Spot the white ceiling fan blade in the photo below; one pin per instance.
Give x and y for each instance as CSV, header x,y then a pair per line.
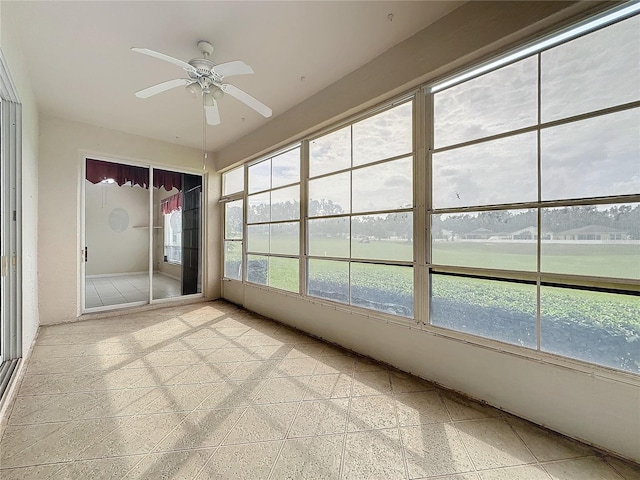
x,y
247,99
232,68
161,87
213,115
166,58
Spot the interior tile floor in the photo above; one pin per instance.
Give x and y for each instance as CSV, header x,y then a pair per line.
x,y
211,391
121,289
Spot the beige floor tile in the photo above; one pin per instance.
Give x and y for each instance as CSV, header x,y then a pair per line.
x,y
282,389
102,469
371,383
320,417
179,398
262,423
310,458
295,367
241,462
373,454
125,402
60,365
492,443
368,413
460,476
270,352
134,435
461,408
204,373
202,428
406,383
172,465
528,472
434,450
253,369
628,470
51,408
592,468
364,364
336,364
43,384
228,354
333,385
39,472
58,442
418,408
308,350
546,445
232,394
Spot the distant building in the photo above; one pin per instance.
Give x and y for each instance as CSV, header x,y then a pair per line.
x,y
478,234
593,232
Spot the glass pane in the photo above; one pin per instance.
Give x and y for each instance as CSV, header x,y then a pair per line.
x,y
385,135
329,279
233,220
330,152
386,288
285,204
285,168
598,70
504,239
330,195
260,176
385,186
285,238
257,269
602,240
258,238
233,181
490,173
382,237
233,260
597,327
504,311
283,273
497,102
117,236
259,208
329,237
599,155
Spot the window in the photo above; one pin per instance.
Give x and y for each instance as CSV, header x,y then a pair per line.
x,y
535,207
173,236
360,227
530,195
273,221
233,190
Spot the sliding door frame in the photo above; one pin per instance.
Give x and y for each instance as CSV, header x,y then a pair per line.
x,y
83,235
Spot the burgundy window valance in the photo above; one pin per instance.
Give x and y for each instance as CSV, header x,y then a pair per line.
x,y
171,204
99,170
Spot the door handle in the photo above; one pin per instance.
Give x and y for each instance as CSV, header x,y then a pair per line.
x,y
86,254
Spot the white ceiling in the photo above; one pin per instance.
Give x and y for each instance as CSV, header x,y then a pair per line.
x,y
81,67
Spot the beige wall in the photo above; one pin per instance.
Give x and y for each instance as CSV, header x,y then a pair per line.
x,y
575,399
110,251
62,145
29,261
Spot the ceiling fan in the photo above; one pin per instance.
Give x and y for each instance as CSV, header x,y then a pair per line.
x,y
205,77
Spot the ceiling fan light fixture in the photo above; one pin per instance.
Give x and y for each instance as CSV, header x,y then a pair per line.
x,y
192,89
217,93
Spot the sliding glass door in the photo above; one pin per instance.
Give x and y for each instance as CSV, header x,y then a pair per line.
x,y
116,251
143,235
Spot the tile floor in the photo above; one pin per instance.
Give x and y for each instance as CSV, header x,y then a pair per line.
x,y
117,290
210,391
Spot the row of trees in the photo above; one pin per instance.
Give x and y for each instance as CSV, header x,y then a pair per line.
x,y
625,218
